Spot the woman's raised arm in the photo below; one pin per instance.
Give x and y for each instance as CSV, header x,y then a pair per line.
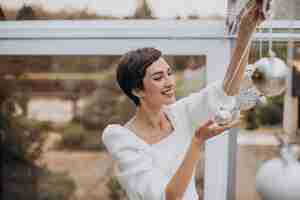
x,y
235,72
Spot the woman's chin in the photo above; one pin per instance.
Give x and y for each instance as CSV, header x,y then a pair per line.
x,y
171,100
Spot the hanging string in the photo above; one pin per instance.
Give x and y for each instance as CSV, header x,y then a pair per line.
x,y
290,42
240,61
260,44
271,53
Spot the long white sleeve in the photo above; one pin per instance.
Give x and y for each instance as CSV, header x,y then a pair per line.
x,y
138,174
201,106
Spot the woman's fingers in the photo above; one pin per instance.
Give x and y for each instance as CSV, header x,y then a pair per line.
x,y
203,132
210,129
216,130
208,123
233,124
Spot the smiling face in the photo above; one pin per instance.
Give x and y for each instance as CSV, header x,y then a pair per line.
x,y
159,85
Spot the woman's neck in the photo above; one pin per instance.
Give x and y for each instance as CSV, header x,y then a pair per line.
x,y
152,117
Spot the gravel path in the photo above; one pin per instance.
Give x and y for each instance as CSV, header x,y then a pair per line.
x,y
89,170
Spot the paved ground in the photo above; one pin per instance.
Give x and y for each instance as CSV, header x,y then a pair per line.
x,y
89,170
249,160
255,147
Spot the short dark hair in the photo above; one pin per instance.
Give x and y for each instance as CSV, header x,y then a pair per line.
x,y
132,69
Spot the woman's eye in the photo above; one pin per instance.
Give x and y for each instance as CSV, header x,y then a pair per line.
x,y
170,73
157,78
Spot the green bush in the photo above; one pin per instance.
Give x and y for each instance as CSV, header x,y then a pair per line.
x,y
24,140
42,126
106,105
251,120
73,135
269,114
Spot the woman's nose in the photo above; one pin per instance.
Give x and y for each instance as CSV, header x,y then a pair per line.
x,y
170,81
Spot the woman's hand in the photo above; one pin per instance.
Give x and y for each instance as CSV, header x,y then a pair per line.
x,y
210,129
252,18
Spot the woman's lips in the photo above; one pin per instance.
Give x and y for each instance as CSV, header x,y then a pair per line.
x,y
168,92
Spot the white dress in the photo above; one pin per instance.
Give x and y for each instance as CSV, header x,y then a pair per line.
x,y
144,169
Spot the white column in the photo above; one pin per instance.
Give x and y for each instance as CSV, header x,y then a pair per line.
x,y
220,166
290,114
220,151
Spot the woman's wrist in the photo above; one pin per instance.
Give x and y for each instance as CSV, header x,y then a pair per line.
x,y
198,141
196,147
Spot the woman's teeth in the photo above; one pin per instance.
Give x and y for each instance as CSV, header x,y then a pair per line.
x,y
169,92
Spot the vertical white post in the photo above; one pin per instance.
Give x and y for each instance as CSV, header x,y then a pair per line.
x,y
220,166
290,115
220,151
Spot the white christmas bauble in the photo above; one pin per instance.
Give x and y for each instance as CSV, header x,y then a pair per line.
x,y
279,178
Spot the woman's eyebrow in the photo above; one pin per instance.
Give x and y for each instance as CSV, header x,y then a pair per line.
x,y
156,73
161,72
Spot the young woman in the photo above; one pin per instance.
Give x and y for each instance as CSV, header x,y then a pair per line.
x,y
158,149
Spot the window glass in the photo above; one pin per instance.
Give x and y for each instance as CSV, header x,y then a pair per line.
x,y
53,111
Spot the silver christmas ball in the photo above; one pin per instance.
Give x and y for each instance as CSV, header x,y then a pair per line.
x,y
248,96
270,75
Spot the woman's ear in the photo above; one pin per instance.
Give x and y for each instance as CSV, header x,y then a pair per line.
x,y
138,92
